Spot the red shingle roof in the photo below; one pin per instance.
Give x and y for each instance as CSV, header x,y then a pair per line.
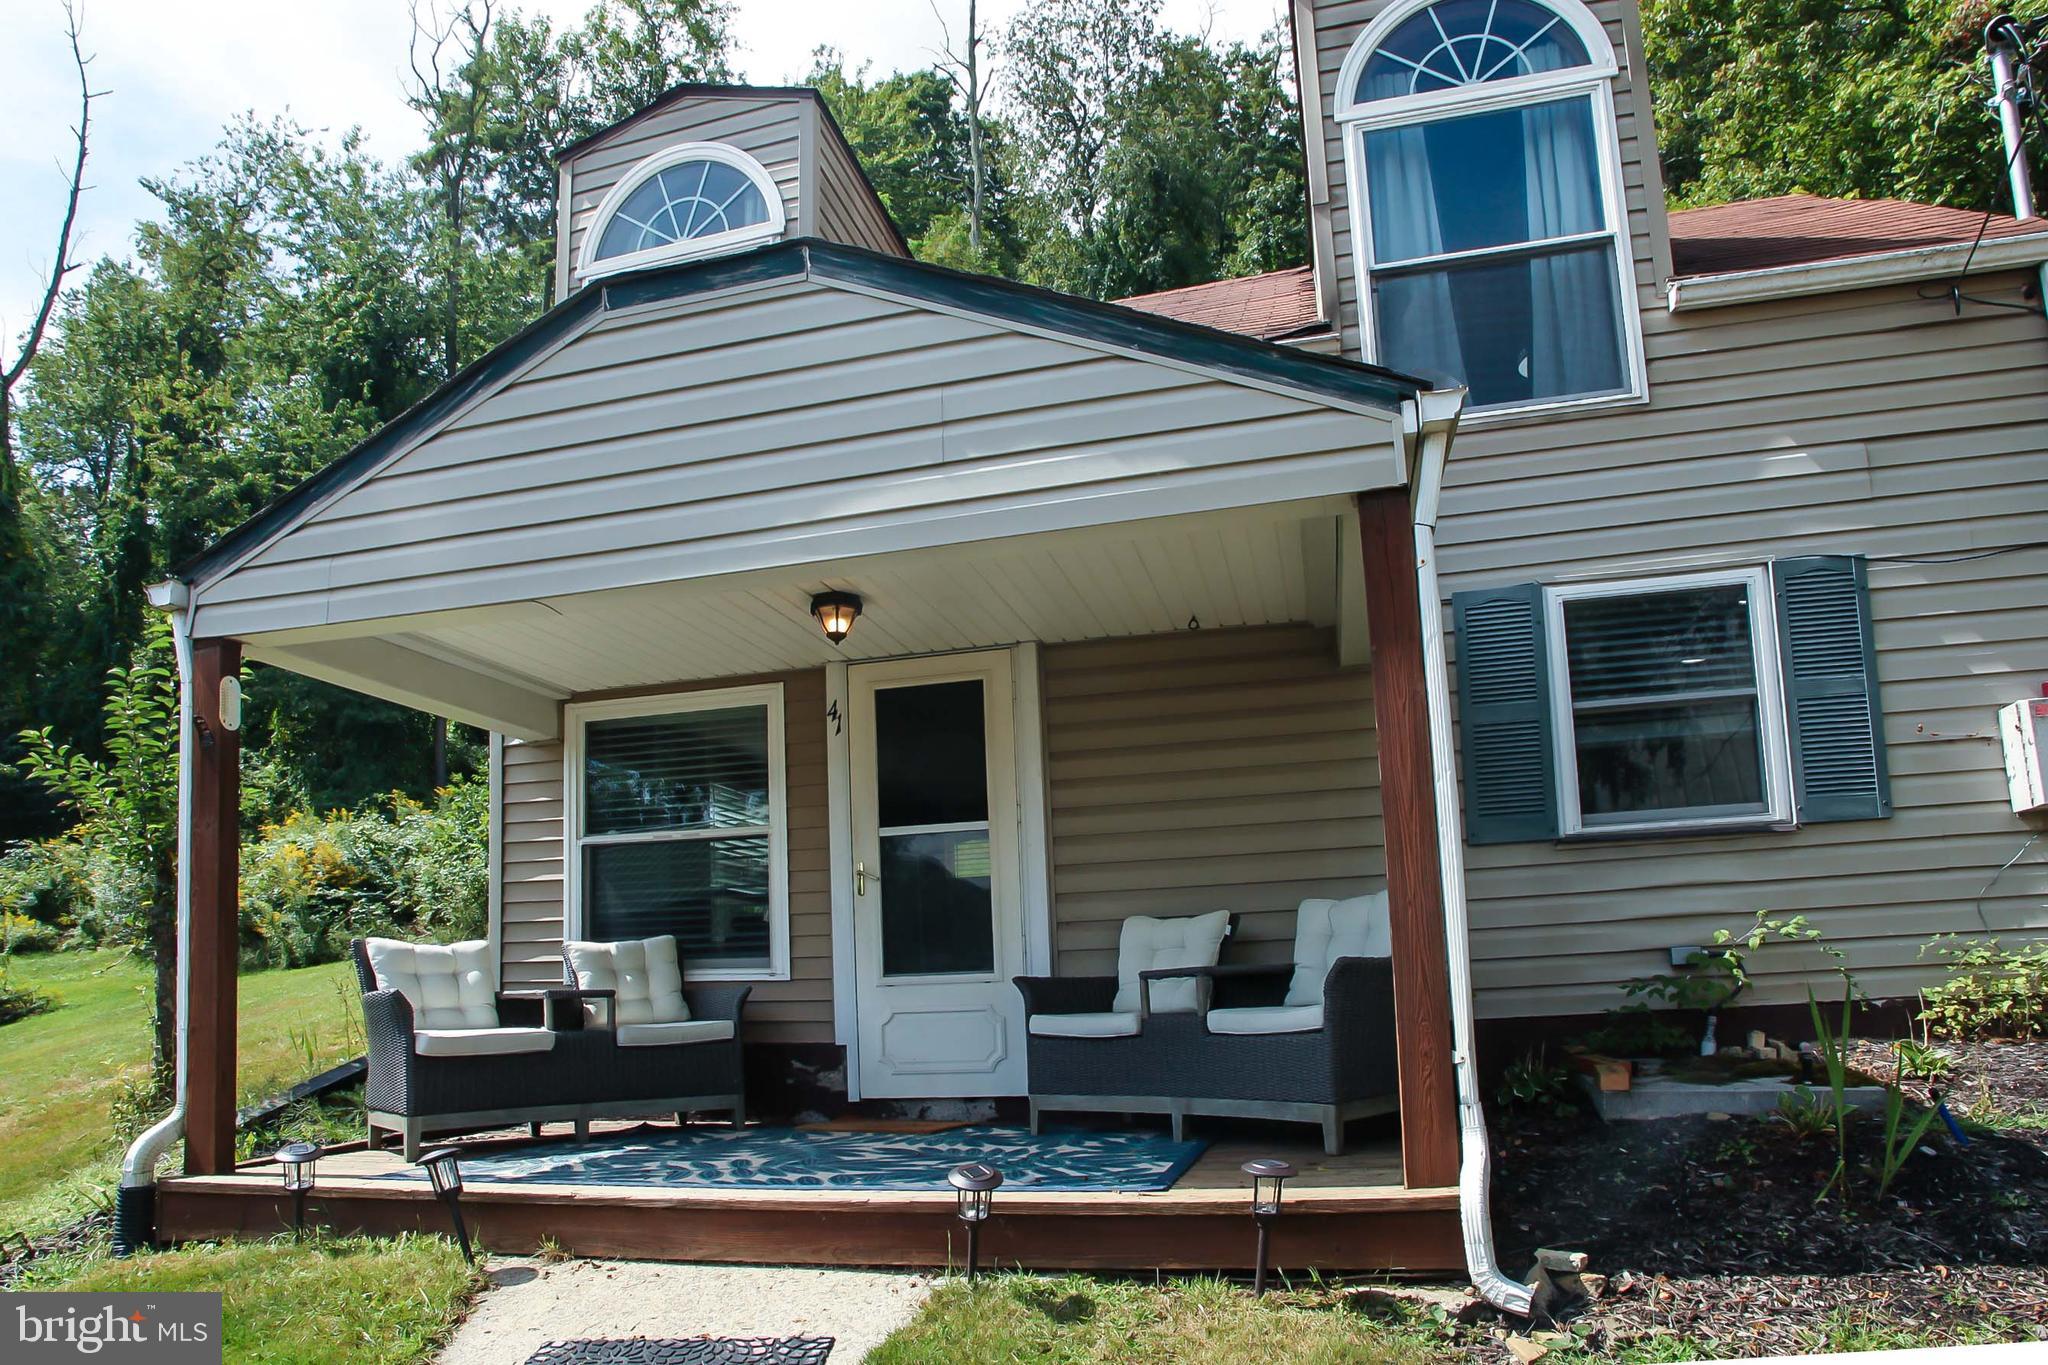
x,y
1799,229
1755,234
1281,303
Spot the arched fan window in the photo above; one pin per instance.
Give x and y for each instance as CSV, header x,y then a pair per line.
x,y
1490,227
694,200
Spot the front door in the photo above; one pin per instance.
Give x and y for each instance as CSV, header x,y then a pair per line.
x,y
938,907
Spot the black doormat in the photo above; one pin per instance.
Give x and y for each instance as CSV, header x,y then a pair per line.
x,y
702,1351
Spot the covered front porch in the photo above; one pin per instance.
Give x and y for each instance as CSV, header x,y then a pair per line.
x,y
617,1195
1146,626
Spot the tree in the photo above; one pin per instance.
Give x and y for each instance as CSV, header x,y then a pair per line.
x,y
23,577
127,807
962,66
1077,70
1884,99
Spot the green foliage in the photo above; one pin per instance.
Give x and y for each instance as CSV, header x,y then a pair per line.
x,y
1807,1114
18,1000
1535,1081
20,934
125,805
1634,1030
1991,991
1715,977
312,883
1763,97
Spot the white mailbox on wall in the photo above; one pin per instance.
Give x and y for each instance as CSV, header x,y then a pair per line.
x,y
2023,728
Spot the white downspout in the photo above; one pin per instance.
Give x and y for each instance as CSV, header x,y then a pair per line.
x,y
138,1167
1475,1167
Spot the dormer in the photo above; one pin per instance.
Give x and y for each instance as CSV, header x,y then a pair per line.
x,y
707,170
1490,207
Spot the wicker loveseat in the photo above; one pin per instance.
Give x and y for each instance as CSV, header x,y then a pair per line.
x,y
450,1052
1321,1053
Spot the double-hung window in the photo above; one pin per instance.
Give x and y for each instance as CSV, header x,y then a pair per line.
x,y
1666,701
1737,698
675,808
1490,228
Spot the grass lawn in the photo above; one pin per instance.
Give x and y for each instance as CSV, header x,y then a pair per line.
x,y
61,1072
1080,1320
350,1301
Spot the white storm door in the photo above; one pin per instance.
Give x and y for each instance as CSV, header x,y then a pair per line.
x,y
938,919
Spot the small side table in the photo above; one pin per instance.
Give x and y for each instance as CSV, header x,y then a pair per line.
x,y
551,998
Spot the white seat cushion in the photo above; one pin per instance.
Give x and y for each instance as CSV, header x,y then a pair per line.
x,y
684,1031
1327,930
645,973
1117,1024
449,987
480,1042
1266,1019
1145,944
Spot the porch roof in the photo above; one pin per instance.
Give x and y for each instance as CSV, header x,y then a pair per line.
x,y
754,425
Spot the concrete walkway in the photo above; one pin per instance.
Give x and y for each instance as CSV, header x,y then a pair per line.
x,y
532,1303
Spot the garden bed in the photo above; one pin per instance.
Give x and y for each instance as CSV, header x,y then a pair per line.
x,y
1713,1229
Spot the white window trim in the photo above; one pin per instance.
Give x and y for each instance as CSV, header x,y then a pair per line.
x,y
589,266
1770,690
1594,82
577,715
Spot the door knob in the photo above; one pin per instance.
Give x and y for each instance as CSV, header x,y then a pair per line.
x,y
860,879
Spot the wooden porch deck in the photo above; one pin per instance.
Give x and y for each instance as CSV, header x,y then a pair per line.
x,y
1342,1213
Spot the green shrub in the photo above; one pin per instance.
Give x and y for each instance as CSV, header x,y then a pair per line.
x,y
18,1001
1991,992
20,934
44,881
311,883
1535,1081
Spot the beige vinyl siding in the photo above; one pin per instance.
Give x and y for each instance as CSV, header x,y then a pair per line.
x,y
1874,423
765,129
846,208
798,1010
1206,770
698,438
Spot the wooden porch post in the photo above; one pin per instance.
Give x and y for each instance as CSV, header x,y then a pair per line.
x,y
212,945
1422,991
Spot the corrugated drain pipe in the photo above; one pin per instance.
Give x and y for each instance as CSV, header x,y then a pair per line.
x,y
135,1200
1476,1163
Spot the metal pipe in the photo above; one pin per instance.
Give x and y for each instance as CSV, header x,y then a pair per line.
x,y
1475,1166
135,1206
2003,41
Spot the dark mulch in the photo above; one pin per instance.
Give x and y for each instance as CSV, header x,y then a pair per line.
x,y
1712,1229
1738,1196
1985,1080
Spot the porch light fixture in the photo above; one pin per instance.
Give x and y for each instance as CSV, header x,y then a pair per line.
x,y
974,1190
1268,1175
295,1161
836,612
445,1170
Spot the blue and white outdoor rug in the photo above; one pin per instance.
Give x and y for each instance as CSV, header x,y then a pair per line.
x,y
787,1158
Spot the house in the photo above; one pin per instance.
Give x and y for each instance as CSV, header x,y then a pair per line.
x,y
1588,576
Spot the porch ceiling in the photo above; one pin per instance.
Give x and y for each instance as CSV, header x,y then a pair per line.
x,y
507,667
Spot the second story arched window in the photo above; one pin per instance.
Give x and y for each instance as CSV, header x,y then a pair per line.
x,y
1489,226
697,199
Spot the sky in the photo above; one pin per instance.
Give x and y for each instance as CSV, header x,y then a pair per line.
x,y
175,71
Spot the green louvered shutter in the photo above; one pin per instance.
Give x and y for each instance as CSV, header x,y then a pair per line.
x,y
1504,721
1836,727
